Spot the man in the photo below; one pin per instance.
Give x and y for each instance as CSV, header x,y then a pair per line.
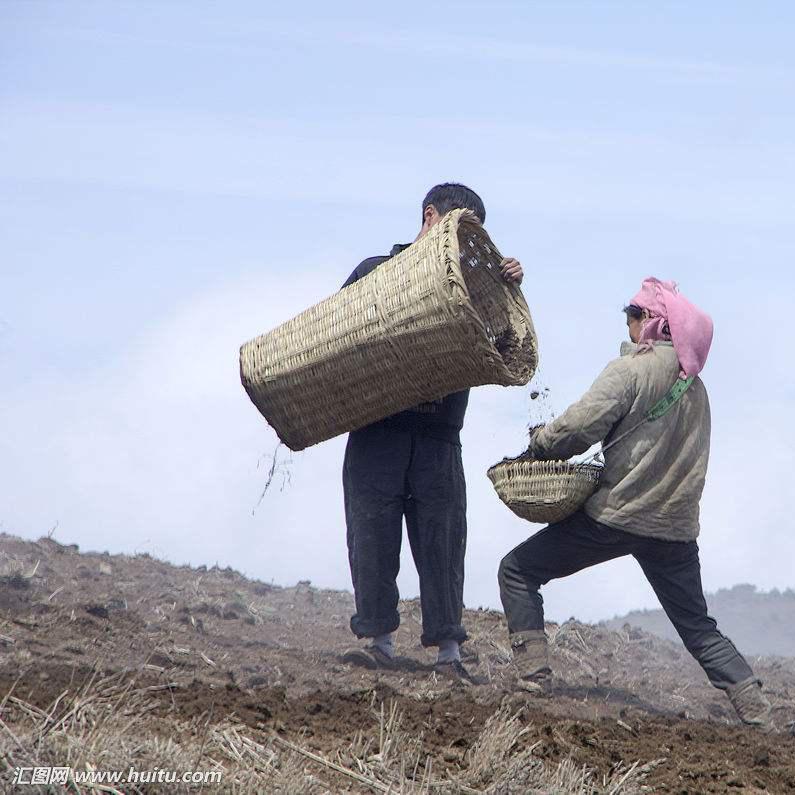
x,y
647,502
409,465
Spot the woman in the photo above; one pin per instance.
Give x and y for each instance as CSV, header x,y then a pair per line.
x,y
647,503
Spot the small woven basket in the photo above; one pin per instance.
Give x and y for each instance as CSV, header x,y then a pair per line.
x,y
544,491
435,319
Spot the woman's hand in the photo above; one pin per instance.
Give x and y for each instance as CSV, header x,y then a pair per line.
x,y
530,453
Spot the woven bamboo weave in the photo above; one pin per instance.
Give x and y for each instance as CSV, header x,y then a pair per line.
x,y
435,319
544,491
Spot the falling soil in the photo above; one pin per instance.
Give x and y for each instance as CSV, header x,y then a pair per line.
x,y
540,408
518,355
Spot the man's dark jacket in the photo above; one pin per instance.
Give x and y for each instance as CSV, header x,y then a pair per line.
x,y
440,419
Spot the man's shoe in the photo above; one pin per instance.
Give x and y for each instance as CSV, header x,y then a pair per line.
x,y
751,704
456,671
371,657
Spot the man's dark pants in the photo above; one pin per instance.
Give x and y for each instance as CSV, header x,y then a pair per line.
x,y
390,473
671,567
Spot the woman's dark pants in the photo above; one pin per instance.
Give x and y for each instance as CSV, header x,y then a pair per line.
x,y
671,567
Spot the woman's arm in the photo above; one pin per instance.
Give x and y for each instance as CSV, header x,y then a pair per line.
x,y
591,418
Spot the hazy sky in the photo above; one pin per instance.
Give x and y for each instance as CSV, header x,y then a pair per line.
x,y
176,178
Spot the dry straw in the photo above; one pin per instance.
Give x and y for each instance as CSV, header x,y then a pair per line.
x,y
435,319
544,491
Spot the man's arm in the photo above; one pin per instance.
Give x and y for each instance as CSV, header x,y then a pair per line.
x,y
363,268
591,418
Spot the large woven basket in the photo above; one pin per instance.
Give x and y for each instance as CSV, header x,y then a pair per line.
x,y
435,319
544,491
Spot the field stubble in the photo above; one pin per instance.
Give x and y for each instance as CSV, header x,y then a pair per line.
x,y
109,662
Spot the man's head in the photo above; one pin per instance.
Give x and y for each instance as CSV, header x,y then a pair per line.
x,y
445,197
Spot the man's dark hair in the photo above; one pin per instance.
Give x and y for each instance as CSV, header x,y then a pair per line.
x,y
635,312
454,196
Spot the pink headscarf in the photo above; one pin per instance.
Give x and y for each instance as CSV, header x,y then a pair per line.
x,y
674,318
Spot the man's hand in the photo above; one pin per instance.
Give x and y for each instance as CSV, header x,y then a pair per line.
x,y
511,270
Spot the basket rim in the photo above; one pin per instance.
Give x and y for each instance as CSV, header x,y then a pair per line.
x,y
454,221
556,464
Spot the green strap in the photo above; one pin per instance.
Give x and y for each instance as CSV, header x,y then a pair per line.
x,y
664,405
659,409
